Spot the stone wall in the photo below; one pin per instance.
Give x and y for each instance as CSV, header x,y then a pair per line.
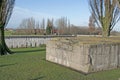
x,y
83,57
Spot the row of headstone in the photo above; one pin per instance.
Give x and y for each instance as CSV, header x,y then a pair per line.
x,y
18,41
15,42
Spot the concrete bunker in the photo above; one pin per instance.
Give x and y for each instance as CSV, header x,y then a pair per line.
x,y
85,57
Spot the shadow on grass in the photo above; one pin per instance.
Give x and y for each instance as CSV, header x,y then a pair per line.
x,y
37,50
38,78
5,65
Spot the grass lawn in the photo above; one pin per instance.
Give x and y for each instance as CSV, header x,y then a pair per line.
x,y
8,33
92,39
30,64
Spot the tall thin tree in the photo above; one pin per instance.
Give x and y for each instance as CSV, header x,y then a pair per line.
x,y
43,26
49,28
91,24
6,8
106,14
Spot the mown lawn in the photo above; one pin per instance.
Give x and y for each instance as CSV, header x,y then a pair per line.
x,y
30,64
9,33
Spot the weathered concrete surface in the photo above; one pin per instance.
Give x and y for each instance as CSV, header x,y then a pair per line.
x,y
83,57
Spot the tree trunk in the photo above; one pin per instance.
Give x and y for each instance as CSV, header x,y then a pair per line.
x,y
3,47
106,33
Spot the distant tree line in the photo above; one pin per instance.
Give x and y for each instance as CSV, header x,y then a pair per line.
x,y
30,27
61,26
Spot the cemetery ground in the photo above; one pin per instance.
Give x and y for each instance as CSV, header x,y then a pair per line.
x,y
30,64
8,33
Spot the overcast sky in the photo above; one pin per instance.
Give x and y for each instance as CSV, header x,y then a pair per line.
x,y
75,10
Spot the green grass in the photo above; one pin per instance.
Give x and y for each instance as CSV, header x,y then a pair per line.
x,y
90,40
8,33
30,64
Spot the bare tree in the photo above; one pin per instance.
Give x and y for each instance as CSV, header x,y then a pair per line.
x,y
23,28
38,30
6,8
62,25
91,24
43,26
28,26
69,27
31,24
106,14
